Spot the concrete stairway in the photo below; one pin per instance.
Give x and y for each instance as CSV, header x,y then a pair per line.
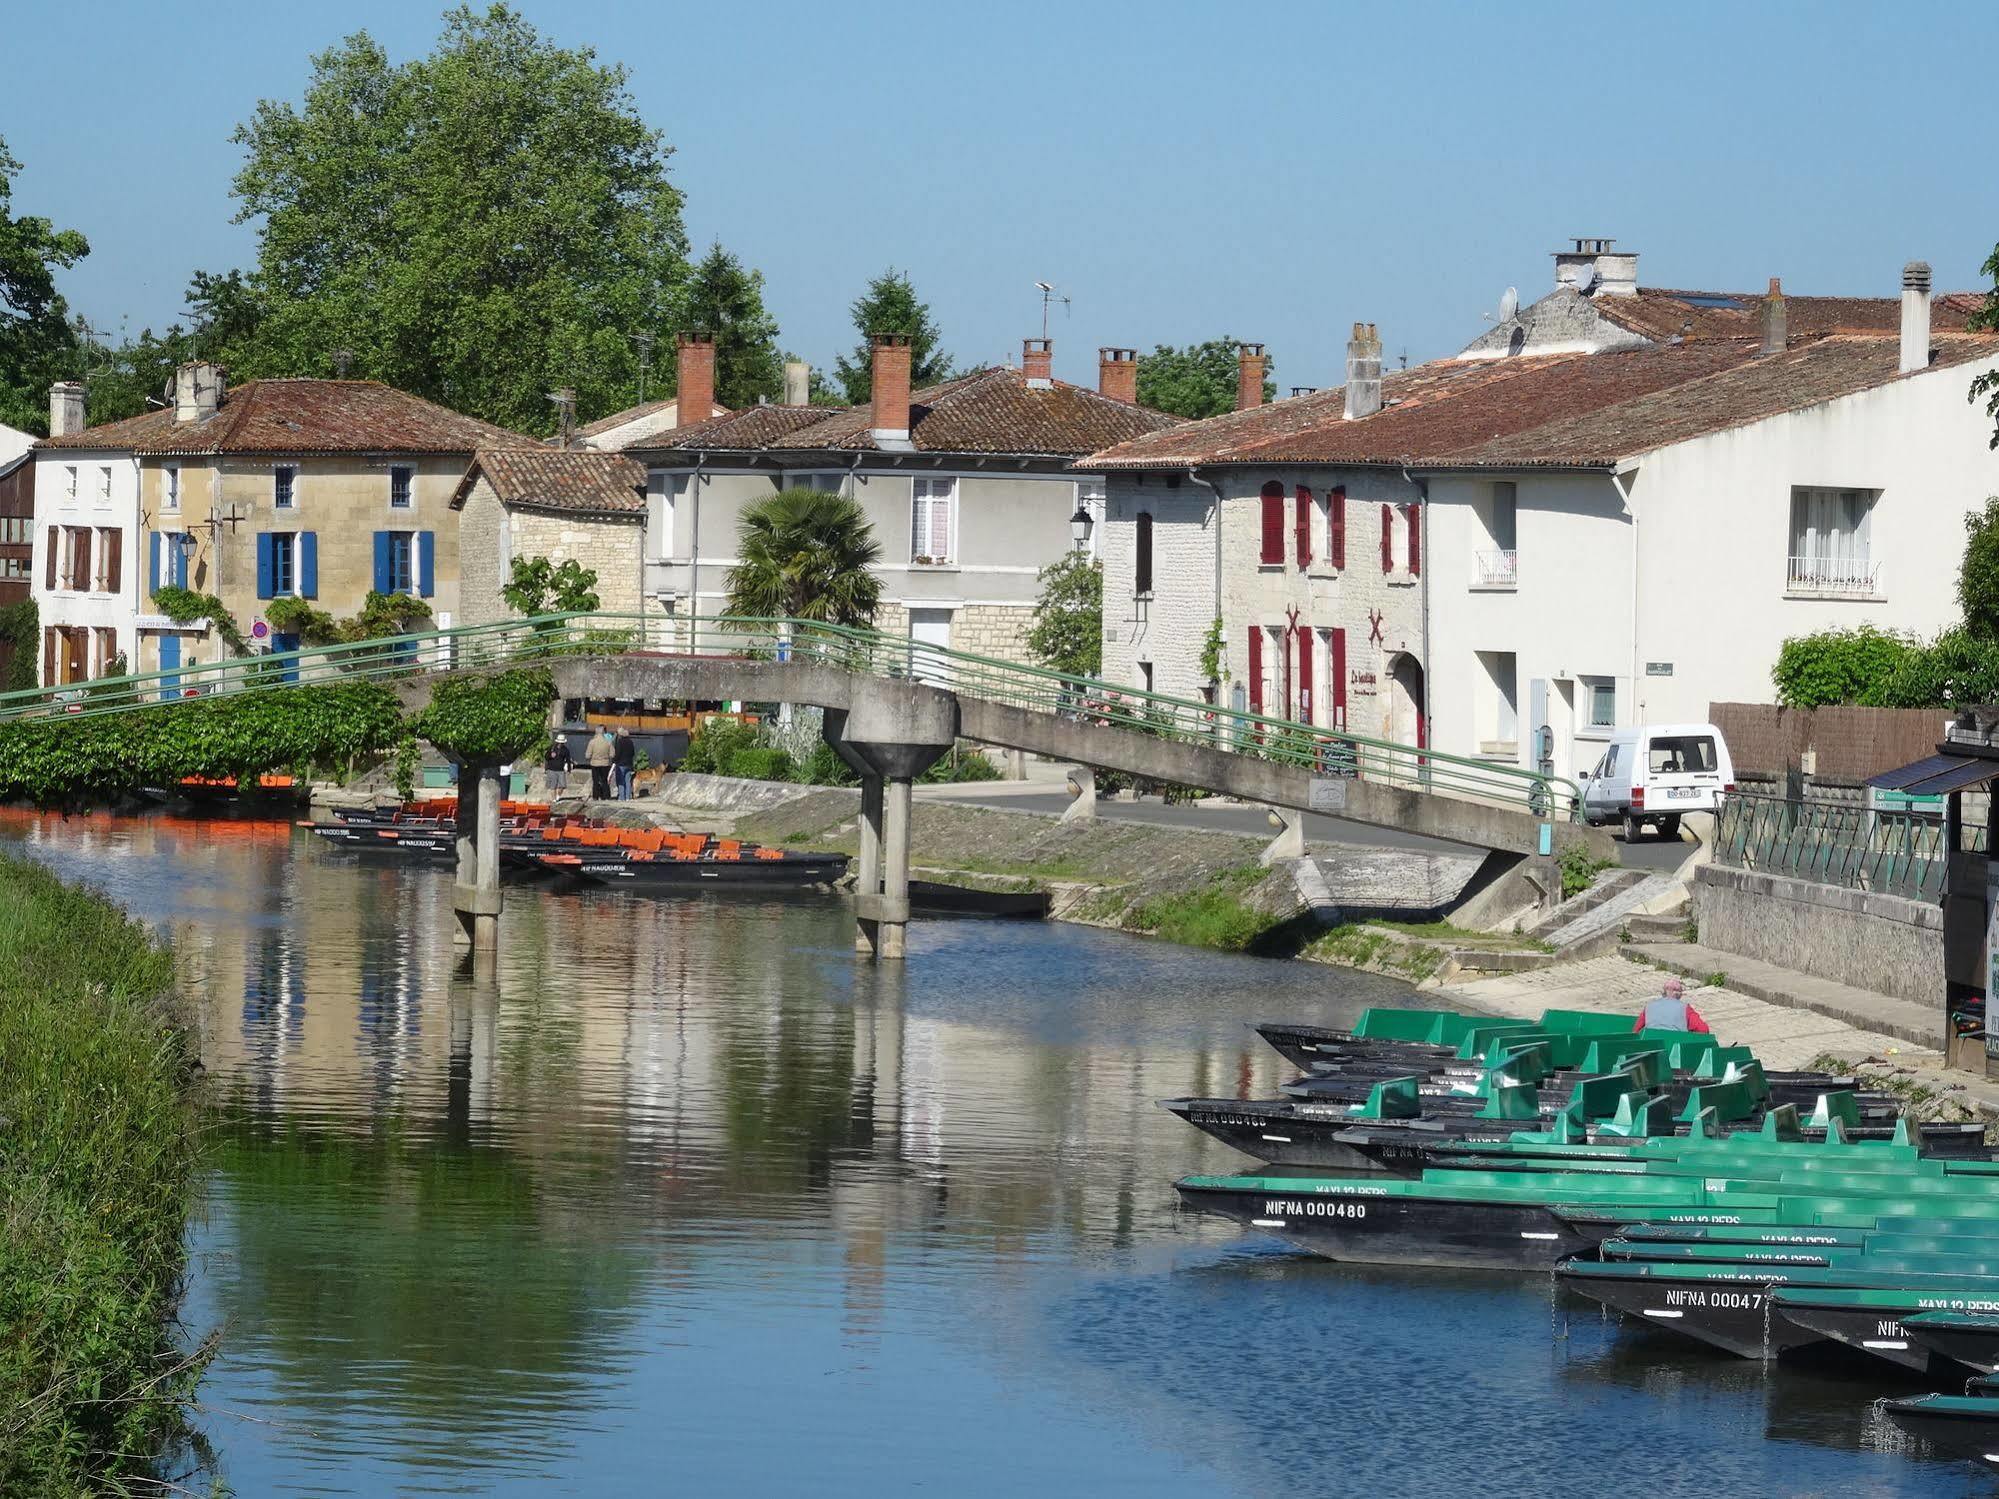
x,y
1595,921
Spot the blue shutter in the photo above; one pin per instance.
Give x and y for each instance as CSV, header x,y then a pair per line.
x,y
170,662
384,571
308,564
177,564
426,563
153,560
265,588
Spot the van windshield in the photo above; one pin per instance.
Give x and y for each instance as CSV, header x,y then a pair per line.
x,y
1682,754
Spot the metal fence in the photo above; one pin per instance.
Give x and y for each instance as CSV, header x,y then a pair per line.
x,y
1328,752
1838,843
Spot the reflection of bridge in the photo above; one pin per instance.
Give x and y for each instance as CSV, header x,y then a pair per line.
x,y
893,707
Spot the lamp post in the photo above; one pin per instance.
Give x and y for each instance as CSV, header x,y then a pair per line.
x,y
1080,526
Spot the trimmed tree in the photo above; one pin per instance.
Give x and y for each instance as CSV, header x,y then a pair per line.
x,y
726,300
890,305
806,554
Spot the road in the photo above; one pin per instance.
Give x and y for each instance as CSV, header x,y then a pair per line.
x,y
1649,853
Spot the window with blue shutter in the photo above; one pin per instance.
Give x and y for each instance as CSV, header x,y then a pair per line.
x,y
153,561
264,565
426,563
181,544
308,564
384,582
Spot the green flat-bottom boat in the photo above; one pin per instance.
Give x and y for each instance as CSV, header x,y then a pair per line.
x,y
1963,1426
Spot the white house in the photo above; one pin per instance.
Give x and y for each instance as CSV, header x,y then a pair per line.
x,y
1626,499
86,533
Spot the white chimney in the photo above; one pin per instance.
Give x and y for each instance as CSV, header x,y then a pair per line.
x,y
65,408
797,383
1597,270
1915,316
197,391
1363,396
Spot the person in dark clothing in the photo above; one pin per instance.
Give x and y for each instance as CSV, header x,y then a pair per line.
x,y
555,768
624,756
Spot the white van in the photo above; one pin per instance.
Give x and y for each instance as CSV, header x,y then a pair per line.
x,y
1655,772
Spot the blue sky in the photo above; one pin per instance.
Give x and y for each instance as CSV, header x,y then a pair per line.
x,y
1182,171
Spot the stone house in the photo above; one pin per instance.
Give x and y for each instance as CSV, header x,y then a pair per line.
x,y
320,489
565,504
1619,521
968,484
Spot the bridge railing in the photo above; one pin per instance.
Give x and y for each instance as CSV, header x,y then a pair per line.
x,y
1328,752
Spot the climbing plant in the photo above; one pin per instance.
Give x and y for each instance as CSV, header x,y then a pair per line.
x,y
184,606
498,717
1213,666
21,626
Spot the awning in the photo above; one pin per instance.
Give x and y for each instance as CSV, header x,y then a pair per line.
x,y
1938,775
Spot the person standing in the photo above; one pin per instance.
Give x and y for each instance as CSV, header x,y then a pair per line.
x,y
600,755
555,768
1670,1011
624,758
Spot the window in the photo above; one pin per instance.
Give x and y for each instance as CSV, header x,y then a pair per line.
x,y
16,530
110,560
284,485
402,562
1496,565
166,559
170,487
1497,702
401,476
1830,552
1682,754
405,562
1141,576
933,521
1303,525
288,563
104,484
284,563
75,573
1413,516
1388,538
1602,702
69,491
1273,524
827,483
105,648
15,567
664,492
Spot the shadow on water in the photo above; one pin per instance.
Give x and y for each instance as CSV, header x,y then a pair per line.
x,y
682,1197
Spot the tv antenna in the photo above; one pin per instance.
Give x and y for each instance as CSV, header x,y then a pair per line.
x,y
645,343
564,402
1048,295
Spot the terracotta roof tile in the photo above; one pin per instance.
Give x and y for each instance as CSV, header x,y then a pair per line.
x,y
302,416
575,481
1662,313
754,427
632,414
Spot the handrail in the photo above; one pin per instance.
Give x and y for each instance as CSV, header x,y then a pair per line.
x,y
1328,752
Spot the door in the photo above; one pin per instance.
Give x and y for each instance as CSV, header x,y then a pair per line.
x,y
1682,772
170,666
929,636
1607,791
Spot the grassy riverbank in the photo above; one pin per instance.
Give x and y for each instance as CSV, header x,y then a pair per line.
x,y
97,1157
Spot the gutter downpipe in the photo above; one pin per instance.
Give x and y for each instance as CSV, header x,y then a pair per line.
x,y
694,555
1422,487
1215,489
1624,494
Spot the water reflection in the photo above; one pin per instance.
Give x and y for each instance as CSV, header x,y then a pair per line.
x,y
683,1196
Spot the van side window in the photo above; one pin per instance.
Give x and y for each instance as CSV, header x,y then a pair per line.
x,y
1682,754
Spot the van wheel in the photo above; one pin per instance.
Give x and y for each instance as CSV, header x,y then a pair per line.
x,y
1632,828
1669,826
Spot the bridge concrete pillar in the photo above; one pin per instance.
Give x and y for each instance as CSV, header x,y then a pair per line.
x,y
1083,807
894,908
868,867
1290,840
475,896
891,737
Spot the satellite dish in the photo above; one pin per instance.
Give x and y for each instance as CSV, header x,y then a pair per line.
x,y
1509,304
1586,282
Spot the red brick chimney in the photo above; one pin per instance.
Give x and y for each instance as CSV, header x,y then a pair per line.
x,y
1037,362
889,388
1117,375
1249,377
695,391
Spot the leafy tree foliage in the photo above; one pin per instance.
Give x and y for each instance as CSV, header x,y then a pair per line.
x,y
727,301
1987,318
478,226
223,315
1839,666
1068,630
806,554
1978,573
498,717
539,587
890,305
1197,381
37,344
20,626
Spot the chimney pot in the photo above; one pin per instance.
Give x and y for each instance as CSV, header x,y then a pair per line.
x,y
1915,316
65,408
1363,392
1117,375
694,382
1250,367
797,383
1037,362
1776,320
197,391
888,392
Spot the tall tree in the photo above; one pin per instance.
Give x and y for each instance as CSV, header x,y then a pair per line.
x,y
1978,574
1987,320
479,226
727,301
223,315
37,343
805,554
1197,381
1068,631
890,305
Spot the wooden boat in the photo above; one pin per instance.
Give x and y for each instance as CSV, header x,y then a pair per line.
x,y
757,866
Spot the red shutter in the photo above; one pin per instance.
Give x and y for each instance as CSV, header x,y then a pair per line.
x,y
49,654
1337,667
55,546
1304,521
114,556
1415,514
1305,638
1388,538
1336,524
1273,522
1256,668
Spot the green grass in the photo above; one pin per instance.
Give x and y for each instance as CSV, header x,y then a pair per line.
x,y
97,1158
1462,936
1212,916
1377,951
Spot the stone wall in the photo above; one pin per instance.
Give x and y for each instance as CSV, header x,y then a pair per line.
x,y
997,630
482,557
611,546
1882,943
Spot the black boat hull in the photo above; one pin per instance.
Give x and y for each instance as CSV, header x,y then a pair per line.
x,y
695,874
1735,1317
1976,1347
1959,1434
1871,1330
1388,1230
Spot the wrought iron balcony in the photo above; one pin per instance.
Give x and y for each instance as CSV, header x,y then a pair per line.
x,y
1496,570
1835,577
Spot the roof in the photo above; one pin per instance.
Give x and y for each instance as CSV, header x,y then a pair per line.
x,y
573,481
1579,410
1662,313
1937,774
988,411
301,416
639,413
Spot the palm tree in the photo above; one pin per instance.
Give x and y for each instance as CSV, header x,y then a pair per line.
x,y
805,555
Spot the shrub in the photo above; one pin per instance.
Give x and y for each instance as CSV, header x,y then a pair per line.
x,y
1840,666
758,764
1951,671
823,767
714,742
960,766
1978,573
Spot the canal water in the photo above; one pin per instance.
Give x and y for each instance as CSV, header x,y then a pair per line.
x,y
688,1201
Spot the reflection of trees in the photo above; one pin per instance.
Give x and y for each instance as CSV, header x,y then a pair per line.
x,y
444,1281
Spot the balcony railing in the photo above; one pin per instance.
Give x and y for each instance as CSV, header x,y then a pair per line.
x,y
1853,577
1496,570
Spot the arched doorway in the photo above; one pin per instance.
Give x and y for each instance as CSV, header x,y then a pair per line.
x,y
1406,722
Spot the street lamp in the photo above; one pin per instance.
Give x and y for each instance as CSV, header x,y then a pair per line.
x,y
1080,525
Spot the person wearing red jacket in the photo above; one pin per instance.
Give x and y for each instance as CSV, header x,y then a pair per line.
x,y
1671,1012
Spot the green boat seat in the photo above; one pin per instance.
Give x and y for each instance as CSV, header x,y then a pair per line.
x,y
1750,1075
1392,1098
1728,1100
1840,1105
1511,1101
1781,1123
1907,1134
1585,1023
1421,1026
1648,1069
1719,1059
1597,1097
1522,1064
1565,1130
1478,1037
1705,1124
1639,1116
